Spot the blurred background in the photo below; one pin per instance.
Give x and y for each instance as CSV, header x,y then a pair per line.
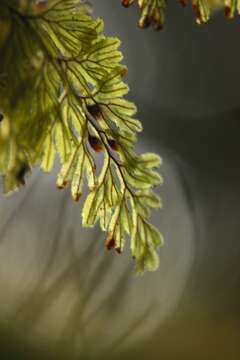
x,y
62,295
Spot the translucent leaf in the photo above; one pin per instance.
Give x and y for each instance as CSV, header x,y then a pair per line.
x,y
62,93
152,12
49,154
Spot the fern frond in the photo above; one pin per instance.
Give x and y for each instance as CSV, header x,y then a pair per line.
x,y
153,11
63,93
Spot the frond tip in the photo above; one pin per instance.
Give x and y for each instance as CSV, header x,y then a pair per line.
x,y
152,12
72,104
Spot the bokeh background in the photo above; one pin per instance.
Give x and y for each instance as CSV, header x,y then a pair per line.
x,y
62,296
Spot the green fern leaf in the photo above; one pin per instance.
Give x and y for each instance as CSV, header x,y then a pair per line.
x,y
72,104
153,11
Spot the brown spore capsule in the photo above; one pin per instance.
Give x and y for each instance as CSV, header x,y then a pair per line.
x,y
124,72
63,185
227,12
41,6
127,3
21,172
95,143
113,144
183,2
77,196
110,243
118,250
94,110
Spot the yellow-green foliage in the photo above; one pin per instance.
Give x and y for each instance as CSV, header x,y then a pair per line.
x,y
153,11
61,93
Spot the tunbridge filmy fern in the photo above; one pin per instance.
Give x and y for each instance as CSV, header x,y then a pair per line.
x,y
153,11
62,93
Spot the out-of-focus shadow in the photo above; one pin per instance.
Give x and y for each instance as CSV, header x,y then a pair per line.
x,y
61,286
